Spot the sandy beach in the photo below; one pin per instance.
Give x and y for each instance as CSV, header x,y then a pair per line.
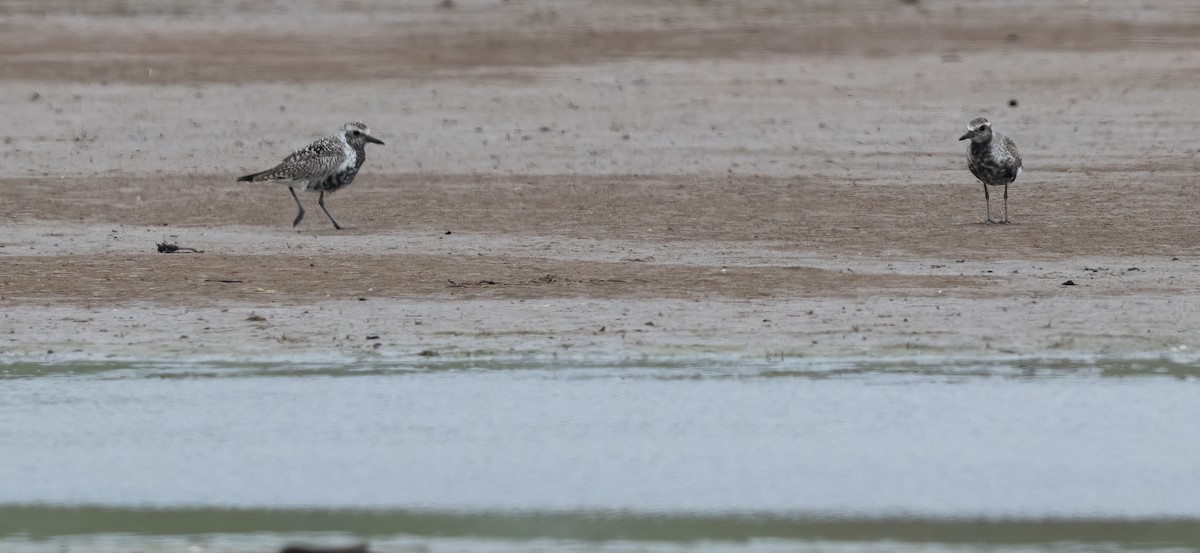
x,y
598,178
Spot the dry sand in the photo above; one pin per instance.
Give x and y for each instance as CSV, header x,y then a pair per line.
x,y
616,178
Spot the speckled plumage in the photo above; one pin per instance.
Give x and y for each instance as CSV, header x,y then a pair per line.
x,y
993,158
326,165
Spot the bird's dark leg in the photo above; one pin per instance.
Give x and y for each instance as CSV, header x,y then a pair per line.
x,y
1005,203
299,215
321,202
987,202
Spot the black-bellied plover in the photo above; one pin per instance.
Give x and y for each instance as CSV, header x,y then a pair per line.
x,y
993,159
326,165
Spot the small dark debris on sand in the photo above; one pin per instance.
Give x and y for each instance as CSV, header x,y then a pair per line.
x,y
164,247
454,284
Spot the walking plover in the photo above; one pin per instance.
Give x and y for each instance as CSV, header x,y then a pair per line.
x,y
993,159
323,166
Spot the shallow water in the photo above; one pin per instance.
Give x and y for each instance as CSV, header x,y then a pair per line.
x,y
703,454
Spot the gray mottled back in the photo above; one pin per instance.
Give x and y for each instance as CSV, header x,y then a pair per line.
x,y
314,161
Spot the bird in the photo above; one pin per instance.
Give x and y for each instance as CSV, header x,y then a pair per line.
x,y
326,165
993,158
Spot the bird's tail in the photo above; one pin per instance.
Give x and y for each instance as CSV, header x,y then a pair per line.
x,y
248,178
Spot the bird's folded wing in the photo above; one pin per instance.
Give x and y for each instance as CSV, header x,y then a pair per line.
x,y
315,159
1012,148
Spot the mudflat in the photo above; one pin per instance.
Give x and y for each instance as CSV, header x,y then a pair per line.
x,y
598,178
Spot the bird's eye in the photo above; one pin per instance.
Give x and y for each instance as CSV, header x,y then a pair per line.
x,y
356,132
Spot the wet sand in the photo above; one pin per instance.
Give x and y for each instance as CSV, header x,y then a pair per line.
x,y
625,178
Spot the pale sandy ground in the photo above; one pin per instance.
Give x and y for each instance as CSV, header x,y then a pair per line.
x,y
617,178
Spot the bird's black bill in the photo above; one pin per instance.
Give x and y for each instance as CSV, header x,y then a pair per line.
x,y
370,138
965,136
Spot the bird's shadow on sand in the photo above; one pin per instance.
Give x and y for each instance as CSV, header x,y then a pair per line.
x,y
345,230
988,224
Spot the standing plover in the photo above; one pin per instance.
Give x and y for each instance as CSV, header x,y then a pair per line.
x,y
323,166
993,159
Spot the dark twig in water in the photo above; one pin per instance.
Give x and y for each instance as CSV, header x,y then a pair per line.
x,y
360,548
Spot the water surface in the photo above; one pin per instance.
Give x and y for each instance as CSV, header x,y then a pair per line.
x,y
685,455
